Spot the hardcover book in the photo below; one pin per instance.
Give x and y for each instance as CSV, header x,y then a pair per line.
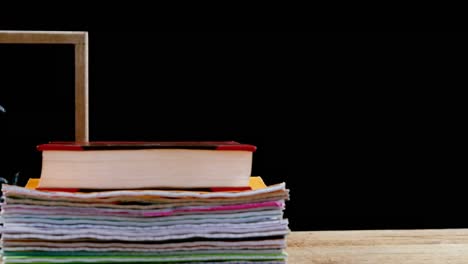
x,y
136,165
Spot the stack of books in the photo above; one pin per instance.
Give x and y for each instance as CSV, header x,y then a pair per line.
x,y
160,219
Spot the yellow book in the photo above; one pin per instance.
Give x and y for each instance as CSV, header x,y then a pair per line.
x,y
255,182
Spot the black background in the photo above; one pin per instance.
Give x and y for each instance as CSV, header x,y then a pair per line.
x,y
366,129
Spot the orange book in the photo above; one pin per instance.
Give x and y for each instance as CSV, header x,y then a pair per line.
x,y
255,182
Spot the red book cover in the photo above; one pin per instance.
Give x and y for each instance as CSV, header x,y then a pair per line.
x,y
122,145
211,189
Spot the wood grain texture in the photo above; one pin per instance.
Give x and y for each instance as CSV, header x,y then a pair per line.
x,y
42,37
80,42
81,91
383,246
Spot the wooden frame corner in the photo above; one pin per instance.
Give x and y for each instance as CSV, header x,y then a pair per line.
x,y
80,41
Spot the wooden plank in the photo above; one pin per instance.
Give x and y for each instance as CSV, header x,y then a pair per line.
x,y
81,92
42,37
383,246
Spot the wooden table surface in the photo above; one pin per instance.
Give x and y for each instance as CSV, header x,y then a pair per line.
x,y
381,247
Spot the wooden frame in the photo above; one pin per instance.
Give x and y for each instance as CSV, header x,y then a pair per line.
x,y
80,41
